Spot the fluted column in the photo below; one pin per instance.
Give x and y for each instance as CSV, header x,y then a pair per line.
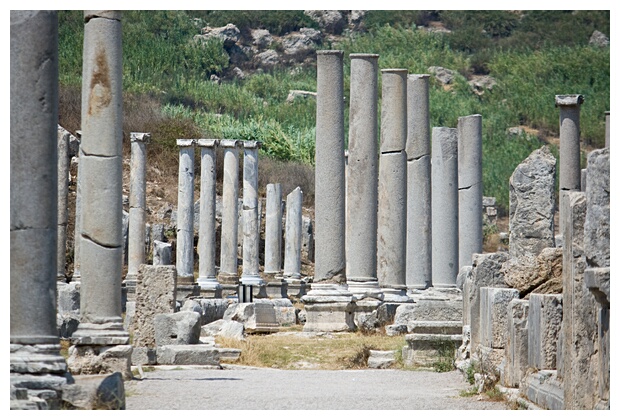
x,y
362,181
209,286
419,241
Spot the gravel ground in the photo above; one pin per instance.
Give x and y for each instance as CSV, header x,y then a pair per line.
x,y
238,388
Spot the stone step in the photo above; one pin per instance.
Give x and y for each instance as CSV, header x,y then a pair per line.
x,y
188,354
436,327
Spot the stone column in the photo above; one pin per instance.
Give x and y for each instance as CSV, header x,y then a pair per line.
x,y
570,153
607,128
63,191
251,230
76,277
35,348
207,279
230,215
273,243
185,216
329,178
101,181
136,248
362,182
445,224
418,268
292,247
392,213
469,187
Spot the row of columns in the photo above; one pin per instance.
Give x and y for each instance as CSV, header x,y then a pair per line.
x,y
392,242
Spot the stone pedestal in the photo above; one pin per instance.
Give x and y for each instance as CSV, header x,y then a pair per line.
x,y
329,307
209,286
392,213
445,223
228,242
362,182
137,211
418,148
100,335
35,360
329,170
470,187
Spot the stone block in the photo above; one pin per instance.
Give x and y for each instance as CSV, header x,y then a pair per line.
x,y
494,315
143,356
155,294
381,359
425,349
213,309
68,297
223,328
544,321
196,354
544,390
335,314
255,316
597,223
540,274
177,328
95,360
96,392
516,344
436,327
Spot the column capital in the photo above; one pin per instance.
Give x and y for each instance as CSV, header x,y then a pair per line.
x,y
207,142
418,76
364,56
252,144
569,100
395,71
107,14
140,137
230,143
185,142
330,52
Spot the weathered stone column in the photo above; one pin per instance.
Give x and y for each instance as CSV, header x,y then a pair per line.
x,y
230,214
35,348
185,216
251,230
292,247
329,178
445,224
273,243
101,214
607,129
136,247
570,152
207,279
76,277
362,181
63,191
392,213
419,241
470,187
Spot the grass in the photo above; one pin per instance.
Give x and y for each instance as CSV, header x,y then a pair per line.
x,y
330,352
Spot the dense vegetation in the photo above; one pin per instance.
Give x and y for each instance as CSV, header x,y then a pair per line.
x,y
531,55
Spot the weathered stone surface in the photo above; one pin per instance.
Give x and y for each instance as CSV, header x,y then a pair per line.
x,y
229,34
443,75
379,359
298,44
532,204
261,38
223,328
597,223
544,321
213,309
143,356
599,39
331,21
481,84
256,317
425,349
494,315
267,58
516,351
428,307
155,294
535,274
96,392
177,328
95,360
196,354
544,390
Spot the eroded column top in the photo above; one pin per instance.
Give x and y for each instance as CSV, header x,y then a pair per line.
x,y
230,143
140,137
185,142
252,144
569,100
363,55
418,76
107,14
330,52
207,142
396,71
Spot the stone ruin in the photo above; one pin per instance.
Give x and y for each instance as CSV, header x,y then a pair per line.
x,y
528,320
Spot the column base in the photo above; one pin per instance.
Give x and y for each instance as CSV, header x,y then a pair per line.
x,y
228,278
329,308
185,291
296,288
209,287
98,359
37,359
104,334
275,286
397,294
129,284
364,287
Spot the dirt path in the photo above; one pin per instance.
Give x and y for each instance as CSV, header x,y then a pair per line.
x,y
272,389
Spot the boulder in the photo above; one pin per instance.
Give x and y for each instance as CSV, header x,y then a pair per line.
x,y
599,39
298,44
445,76
540,274
261,38
267,58
229,34
223,328
331,21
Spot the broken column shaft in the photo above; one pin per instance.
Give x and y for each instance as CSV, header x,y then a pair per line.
x,y
230,213
251,228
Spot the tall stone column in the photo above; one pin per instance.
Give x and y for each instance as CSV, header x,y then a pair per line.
x,y
273,243
101,214
469,187
35,348
570,152
607,129
362,182
76,277
329,178
251,230
419,266
230,214
63,192
207,279
136,247
392,213
445,224
292,246
186,284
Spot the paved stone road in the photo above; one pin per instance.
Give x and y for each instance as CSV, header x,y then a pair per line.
x,y
272,389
